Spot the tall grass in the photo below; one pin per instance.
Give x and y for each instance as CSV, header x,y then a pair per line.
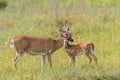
x,y
96,21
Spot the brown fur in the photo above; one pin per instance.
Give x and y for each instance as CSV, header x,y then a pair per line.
x,y
41,45
84,48
33,45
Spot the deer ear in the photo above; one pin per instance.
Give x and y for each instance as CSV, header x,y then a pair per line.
x,y
61,30
68,28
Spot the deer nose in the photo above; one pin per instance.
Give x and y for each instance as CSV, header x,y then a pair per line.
x,y
71,40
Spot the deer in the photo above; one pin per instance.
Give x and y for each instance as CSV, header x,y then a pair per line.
x,y
44,46
86,48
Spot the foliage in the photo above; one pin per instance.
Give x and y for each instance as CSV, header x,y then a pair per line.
x,y
3,3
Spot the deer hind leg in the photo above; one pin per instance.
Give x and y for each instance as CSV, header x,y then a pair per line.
x,y
17,58
50,60
93,56
88,56
15,61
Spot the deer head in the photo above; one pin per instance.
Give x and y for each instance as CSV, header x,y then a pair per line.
x,y
66,34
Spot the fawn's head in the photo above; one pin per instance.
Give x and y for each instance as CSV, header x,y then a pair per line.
x,y
66,34
65,43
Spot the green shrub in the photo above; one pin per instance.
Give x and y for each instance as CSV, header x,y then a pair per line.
x,y
3,4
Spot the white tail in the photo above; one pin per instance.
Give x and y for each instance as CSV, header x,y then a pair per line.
x,y
12,43
86,48
38,46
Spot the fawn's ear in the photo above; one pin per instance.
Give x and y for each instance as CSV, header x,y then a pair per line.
x,y
61,30
68,28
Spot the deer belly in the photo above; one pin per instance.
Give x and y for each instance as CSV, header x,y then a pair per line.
x,y
35,53
80,53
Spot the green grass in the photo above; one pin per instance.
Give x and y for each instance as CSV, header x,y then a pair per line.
x,y
96,21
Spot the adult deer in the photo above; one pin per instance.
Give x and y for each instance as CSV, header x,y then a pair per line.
x,y
86,48
38,46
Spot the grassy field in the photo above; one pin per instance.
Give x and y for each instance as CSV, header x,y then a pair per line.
x,y
97,21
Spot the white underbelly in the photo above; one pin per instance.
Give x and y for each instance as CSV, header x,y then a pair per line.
x,y
35,53
80,53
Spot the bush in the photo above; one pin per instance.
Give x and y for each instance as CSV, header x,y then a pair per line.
x,y
3,4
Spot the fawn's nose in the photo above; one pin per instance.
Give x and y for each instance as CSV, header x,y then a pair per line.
x,y
65,41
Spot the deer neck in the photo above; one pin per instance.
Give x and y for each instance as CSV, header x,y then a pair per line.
x,y
59,43
67,45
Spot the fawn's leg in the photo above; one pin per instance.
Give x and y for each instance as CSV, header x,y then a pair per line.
x,y
72,60
90,59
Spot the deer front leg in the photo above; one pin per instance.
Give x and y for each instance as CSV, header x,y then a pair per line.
x,y
43,60
72,60
50,60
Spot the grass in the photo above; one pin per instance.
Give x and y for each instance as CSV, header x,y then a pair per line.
x,y
96,21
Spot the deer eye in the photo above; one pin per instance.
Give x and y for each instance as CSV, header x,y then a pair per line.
x,y
66,35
